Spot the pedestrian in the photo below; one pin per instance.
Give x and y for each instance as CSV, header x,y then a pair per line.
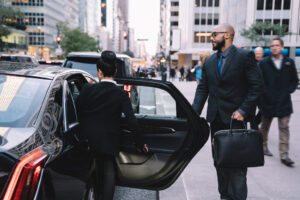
x,y
172,73
281,80
198,71
100,107
233,83
181,70
259,54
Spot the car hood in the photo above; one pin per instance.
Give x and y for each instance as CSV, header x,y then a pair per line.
x,y
11,137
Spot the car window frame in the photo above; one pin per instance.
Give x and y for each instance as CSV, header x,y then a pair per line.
x,y
65,95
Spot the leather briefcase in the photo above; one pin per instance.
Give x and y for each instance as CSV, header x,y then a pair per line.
x,y
237,148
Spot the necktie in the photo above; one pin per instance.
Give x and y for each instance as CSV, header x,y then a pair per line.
x,y
220,64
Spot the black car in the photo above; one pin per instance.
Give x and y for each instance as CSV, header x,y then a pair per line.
x,y
87,61
44,156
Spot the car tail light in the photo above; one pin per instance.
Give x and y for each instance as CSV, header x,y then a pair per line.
x,y
128,89
25,177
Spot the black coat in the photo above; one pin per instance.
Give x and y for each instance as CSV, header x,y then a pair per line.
x,y
279,84
238,87
100,107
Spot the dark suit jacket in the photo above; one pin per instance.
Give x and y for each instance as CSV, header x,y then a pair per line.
x,y
100,107
238,87
279,84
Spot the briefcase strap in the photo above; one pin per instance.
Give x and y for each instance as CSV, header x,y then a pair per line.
x,y
230,131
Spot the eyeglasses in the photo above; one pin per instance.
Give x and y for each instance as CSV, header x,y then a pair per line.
x,y
214,34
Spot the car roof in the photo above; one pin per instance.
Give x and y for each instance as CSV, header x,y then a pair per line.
x,y
19,55
36,71
92,55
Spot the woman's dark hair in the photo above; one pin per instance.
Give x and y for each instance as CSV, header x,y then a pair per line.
x,y
107,63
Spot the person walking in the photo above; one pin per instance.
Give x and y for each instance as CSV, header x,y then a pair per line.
x,y
198,71
232,81
172,73
100,107
259,54
281,80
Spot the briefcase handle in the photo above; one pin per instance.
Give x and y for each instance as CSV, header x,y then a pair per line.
x,y
230,131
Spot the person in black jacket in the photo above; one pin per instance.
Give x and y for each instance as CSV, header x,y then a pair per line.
x,y
281,80
100,107
232,81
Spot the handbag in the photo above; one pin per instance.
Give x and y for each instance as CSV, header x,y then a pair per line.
x,y
238,148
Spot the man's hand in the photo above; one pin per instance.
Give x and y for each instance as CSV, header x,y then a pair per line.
x,y
237,116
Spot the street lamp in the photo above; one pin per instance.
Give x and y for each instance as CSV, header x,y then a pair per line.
x,y
58,50
58,40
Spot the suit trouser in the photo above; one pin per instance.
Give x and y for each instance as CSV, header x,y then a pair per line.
x,y
284,133
106,174
232,182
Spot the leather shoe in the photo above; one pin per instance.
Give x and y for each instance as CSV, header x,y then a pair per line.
x,y
267,152
287,161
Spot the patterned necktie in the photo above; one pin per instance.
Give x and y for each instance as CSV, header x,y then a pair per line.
x,y
220,64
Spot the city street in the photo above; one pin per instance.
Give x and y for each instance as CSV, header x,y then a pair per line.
x,y
273,181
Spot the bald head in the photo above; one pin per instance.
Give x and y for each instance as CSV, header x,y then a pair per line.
x,y
259,53
225,27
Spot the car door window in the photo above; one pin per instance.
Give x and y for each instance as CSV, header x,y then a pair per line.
x,y
155,102
74,89
71,110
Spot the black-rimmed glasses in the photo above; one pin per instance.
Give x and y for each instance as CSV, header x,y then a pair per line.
x,y
214,34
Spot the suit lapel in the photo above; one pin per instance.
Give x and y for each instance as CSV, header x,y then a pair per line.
x,y
229,58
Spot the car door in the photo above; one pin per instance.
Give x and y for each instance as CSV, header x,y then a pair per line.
x,y
169,126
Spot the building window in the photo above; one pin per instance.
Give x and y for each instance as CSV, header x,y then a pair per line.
x,y
269,4
287,4
216,3
210,3
209,21
196,37
197,3
203,3
268,31
286,22
174,3
202,37
276,21
174,23
216,19
260,4
197,22
175,13
103,12
203,21
277,4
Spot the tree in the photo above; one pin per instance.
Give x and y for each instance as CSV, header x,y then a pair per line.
x,y
75,40
257,31
129,53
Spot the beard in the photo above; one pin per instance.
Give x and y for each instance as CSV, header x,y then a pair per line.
x,y
219,45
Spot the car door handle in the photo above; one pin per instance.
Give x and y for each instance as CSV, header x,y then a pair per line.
x,y
157,130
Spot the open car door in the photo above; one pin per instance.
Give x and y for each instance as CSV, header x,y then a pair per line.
x,y
169,126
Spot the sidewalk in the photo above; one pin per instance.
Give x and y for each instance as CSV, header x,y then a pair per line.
x,y
274,181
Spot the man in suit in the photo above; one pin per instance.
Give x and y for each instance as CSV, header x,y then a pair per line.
x,y
232,82
100,107
281,80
